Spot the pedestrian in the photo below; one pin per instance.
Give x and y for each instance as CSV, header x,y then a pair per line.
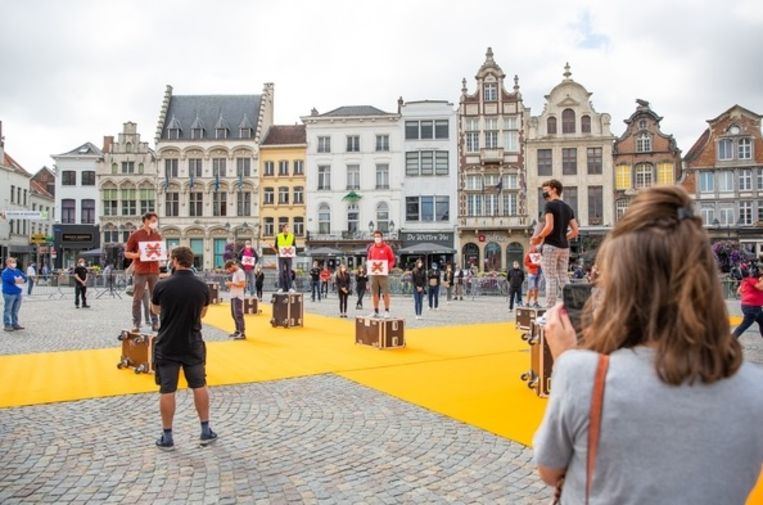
x,y
361,282
325,278
237,286
31,275
532,263
182,301
459,291
146,273
286,247
315,281
516,277
560,227
419,280
656,350
343,288
249,259
13,279
259,281
380,261
448,279
81,275
433,277
751,293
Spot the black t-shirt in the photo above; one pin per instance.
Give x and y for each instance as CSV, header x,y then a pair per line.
x,y
563,214
182,297
80,272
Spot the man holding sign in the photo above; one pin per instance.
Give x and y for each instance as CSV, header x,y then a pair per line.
x,y
381,260
249,259
146,249
286,248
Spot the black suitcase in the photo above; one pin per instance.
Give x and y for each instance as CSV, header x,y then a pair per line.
x,y
541,362
137,351
250,306
379,333
288,310
526,316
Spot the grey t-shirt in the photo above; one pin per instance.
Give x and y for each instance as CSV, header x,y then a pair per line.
x,y
700,444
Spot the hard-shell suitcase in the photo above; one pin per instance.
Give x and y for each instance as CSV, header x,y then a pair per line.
x,y
541,362
251,306
288,310
137,351
214,292
526,316
379,333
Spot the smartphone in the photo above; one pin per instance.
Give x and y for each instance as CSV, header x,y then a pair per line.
x,y
574,297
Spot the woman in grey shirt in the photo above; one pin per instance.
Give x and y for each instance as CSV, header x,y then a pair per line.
x,y
682,412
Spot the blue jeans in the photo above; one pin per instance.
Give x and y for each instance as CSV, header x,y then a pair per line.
x,y
249,280
418,301
30,285
434,296
752,314
284,273
11,310
315,289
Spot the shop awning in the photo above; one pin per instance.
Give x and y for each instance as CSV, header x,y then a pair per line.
x,y
426,248
324,252
351,197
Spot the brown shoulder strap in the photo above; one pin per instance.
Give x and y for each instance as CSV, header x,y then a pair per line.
x,y
594,420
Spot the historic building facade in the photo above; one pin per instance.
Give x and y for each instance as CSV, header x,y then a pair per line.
x,y
643,156
354,175
571,142
724,171
126,180
207,152
282,183
492,222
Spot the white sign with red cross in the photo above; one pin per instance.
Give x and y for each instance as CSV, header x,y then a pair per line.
x,y
378,267
153,250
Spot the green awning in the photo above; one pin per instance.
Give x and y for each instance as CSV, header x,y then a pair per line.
x,y
352,197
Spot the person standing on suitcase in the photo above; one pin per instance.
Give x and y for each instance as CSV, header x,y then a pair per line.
x,y
286,247
237,284
182,301
381,260
146,272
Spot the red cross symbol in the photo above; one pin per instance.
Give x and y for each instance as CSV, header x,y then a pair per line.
x,y
154,250
377,267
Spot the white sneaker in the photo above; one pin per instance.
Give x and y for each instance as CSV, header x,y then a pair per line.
x,y
386,314
373,314
292,290
280,291
418,317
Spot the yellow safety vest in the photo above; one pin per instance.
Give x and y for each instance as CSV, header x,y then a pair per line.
x,y
284,240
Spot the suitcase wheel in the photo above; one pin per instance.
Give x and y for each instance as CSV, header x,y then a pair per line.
x,y
120,365
140,369
531,384
525,376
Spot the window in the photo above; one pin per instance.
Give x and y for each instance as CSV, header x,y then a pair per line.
x,y
745,213
474,205
268,196
643,143
353,218
491,91
382,143
509,204
745,179
128,167
569,161
197,133
88,178
219,203
595,205
353,176
170,168
510,181
665,173
725,149
427,162
620,207
140,168
472,142
760,179
109,198
195,204
551,126
173,133
68,178
68,211
706,182
568,121
594,160
299,195
442,208
283,167
197,246
243,167
411,130
726,181
218,248
244,203
426,129
427,208
324,219
245,133
760,210
511,141
283,195
221,133
642,124
324,178
707,211
269,227
324,144
382,176
299,226
644,175
299,167
441,129
441,163
88,211
412,163
726,214
570,196
491,133
218,167
172,204
382,217
545,162
491,204
474,182
147,200
129,205
411,208
585,124
353,143
194,167
744,149
269,169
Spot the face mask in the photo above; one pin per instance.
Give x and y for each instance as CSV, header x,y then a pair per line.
x,y
377,240
82,264
545,195
435,267
153,226
12,265
419,265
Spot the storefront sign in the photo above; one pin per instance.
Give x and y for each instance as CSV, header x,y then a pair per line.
x,y
76,237
410,238
32,215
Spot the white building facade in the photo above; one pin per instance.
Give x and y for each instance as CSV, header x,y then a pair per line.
x,y
14,196
354,178
76,191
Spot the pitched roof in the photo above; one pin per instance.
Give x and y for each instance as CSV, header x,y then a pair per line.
x,y
86,149
14,165
187,110
698,146
355,110
279,135
37,187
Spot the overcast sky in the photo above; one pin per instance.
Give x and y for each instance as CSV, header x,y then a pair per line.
x,y
74,71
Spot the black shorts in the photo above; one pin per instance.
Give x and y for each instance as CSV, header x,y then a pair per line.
x,y
167,371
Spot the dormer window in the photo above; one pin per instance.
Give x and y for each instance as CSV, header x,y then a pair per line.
x,y
490,91
173,133
197,133
642,124
221,133
245,133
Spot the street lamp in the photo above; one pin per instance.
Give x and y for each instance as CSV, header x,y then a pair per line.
x,y
370,227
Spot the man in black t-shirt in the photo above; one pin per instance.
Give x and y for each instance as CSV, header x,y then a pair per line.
x,y
181,300
560,226
80,284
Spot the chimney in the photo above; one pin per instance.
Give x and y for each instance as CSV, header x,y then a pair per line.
x,y
2,144
399,104
108,140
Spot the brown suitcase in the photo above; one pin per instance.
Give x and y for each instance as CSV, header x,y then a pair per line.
x,y
288,310
137,351
250,306
214,292
526,316
541,362
380,333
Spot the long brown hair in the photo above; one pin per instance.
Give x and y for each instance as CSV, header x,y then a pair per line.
x,y
659,285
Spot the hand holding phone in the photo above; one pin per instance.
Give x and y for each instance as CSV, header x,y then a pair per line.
x,y
574,297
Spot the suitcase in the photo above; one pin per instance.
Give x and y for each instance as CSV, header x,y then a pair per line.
x,y
214,292
526,316
137,351
541,362
250,306
380,333
288,310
